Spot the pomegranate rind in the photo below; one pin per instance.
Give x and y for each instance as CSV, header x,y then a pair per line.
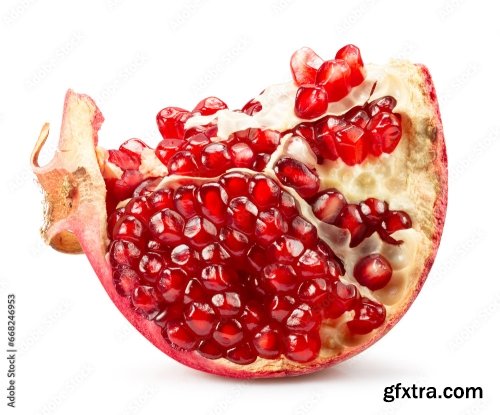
x,y
75,220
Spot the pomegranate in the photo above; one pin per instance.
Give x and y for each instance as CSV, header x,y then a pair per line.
x,y
270,241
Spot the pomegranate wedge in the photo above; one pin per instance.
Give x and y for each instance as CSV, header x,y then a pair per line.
x,y
270,241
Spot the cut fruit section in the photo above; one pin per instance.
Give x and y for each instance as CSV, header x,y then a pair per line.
x,y
270,241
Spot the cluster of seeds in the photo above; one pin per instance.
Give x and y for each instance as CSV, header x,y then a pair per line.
x,y
230,269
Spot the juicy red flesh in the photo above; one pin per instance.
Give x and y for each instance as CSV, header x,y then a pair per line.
x,y
230,269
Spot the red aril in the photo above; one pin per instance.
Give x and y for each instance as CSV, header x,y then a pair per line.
x,y
334,76
305,64
373,271
253,243
171,122
352,56
311,101
209,106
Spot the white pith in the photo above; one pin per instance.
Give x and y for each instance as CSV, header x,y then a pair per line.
x,y
383,177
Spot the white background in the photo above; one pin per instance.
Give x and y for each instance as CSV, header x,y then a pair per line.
x,y
78,355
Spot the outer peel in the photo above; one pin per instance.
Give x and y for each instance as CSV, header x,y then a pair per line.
x,y
75,217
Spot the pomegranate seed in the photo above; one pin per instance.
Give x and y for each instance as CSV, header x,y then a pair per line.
x,y
334,76
306,131
267,342
373,210
125,281
287,205
304,231
200,318
209,106
297,175
350,219
373,271
144,298
185,257
227,304
242,155
252,107
166,148
171,284
194,292
303,319
216,158
150,266
326,134
304,65
200,231
234,241
185,201
124,160
182,163
215,253
357,116
218,277
228,333
368,316
281,307
335,269
395,221
269,225
385,130
171,122
243,214
352,56
130,228
133,147
123,188
167,226
196,143
113,218
179,336
352,145
235,183
343,298
302,347
252,316
312,264
285,249
264,192
124,252
243,354
139,207
311,102
327,205
257,257
261,161
146,187
263,141
161,199
313,292
386,104
280,278
210,350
